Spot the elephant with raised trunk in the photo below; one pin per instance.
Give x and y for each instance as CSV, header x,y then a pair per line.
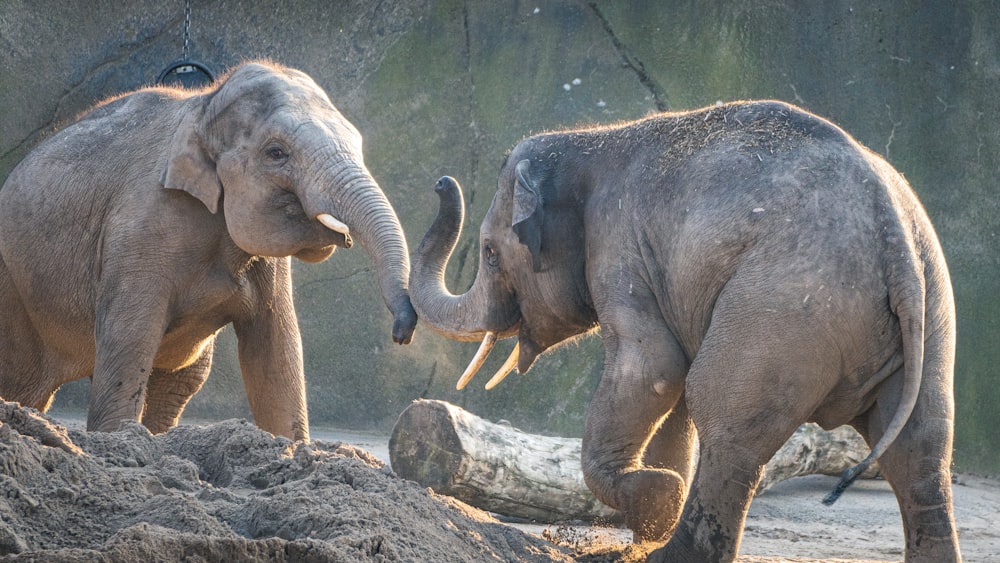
x,y
750,267
131,237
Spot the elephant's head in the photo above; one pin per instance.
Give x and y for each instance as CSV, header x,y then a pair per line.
x,y
531,278
267,148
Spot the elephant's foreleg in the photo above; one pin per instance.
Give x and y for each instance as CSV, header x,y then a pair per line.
x,y
169,391
117,392
674,443
270,351
643,380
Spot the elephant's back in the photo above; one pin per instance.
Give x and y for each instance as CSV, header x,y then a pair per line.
x,y
789,208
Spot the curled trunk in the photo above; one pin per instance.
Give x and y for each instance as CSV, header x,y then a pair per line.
x,y
356,200
460,317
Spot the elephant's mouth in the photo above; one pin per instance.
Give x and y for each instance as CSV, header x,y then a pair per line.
x,y
314,255
344,241
320,253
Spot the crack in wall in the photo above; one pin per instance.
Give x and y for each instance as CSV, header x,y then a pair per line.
x,y
470,192
470,76
892,131
332,277
632,62
426,392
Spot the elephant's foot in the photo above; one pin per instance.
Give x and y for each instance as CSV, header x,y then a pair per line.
x,y
699,537
931,535
682,547
651,501
679,551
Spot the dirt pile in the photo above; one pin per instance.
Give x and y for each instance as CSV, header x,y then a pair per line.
x,y
225,492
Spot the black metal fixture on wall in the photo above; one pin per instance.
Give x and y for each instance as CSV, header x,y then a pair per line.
x,y
186,72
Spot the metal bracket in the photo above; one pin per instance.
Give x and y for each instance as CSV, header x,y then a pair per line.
x,y
186,73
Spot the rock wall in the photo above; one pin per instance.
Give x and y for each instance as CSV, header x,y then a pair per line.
x,y
446,87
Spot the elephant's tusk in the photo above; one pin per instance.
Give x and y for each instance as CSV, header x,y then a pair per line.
x,y
477,361
333,224
506,368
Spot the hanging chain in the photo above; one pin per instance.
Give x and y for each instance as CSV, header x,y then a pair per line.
x,y
185,66
187,28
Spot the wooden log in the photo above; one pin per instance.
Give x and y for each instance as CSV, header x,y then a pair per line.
x,y
503,470
495,467
814,451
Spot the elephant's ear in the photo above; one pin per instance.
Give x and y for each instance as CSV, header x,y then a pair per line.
x,y
189,167
527,213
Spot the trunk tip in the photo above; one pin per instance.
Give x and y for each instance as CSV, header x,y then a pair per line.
x,y
404,323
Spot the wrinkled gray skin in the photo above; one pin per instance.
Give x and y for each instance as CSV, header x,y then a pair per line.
x,y
131,237
751,267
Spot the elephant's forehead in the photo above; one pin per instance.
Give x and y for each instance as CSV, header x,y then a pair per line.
x,y
302,94
304,123
300,99
500,208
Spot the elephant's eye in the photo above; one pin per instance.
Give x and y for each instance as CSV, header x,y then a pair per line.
x,y
276,153
492,258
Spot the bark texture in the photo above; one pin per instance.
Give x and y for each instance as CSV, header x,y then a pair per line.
x,y
499,468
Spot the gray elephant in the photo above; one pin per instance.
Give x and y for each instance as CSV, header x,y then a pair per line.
x,y
751,267
131,237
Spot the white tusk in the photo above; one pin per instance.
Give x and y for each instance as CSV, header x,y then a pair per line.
x,y
333,224
506,368
477,361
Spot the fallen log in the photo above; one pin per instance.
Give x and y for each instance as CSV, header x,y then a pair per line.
x,y
501,469
495,467
814,451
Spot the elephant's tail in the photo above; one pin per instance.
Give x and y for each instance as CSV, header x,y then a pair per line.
x,y
907,299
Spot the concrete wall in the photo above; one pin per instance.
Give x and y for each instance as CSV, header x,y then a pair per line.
x,y
446,87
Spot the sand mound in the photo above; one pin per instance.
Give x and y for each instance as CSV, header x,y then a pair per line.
x,y
225,492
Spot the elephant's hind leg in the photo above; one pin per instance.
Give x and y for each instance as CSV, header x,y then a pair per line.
x,y
729,467
169,392
745,402
918,464
30,373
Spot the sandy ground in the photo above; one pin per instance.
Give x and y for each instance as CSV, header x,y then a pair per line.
x,y
788,521
227,491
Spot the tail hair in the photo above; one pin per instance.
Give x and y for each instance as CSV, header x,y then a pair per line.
x,y
846,478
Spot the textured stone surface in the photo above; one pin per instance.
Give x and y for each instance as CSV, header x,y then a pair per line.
x,y
446,87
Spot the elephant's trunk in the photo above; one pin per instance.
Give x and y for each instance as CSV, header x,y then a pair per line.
x,y
357,207
485,308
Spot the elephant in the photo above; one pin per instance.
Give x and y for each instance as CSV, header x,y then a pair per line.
x,y
749,267
131,237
